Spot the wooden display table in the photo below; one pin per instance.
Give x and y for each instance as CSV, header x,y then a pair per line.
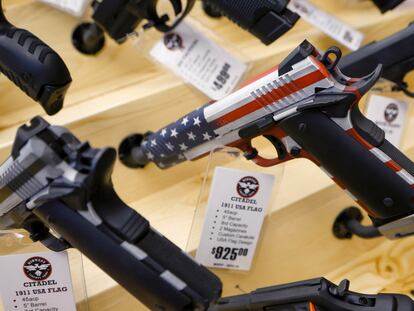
x,y
120,92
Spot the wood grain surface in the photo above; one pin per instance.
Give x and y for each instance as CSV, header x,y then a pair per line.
x,y
121,91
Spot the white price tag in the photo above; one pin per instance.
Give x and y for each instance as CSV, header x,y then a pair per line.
x,y
36,282
236,210
199,61
389,114
73,7
328,24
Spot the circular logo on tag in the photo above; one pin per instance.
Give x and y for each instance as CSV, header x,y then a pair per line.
x,y
391,112
173,41
247,187
37,268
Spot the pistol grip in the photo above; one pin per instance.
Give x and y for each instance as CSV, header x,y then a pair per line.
x,y
265,19
371,174
33,66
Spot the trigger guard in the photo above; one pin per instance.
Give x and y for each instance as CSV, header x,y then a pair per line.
x,y
177,6
279,146
403,86
160,22
251,153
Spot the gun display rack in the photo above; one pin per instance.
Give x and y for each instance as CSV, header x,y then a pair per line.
x,y
112,96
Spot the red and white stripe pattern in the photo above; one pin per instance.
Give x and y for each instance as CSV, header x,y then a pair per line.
x,y
269,94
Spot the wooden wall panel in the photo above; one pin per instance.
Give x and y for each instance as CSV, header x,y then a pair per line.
x,y
121,91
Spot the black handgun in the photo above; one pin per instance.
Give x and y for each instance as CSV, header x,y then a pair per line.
x,y
313,295
118,18
387,5
395,53
33,66
52,181
267,20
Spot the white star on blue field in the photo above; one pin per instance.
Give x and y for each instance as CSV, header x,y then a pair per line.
x,y
167,146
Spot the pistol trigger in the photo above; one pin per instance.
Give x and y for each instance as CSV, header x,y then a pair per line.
x,y
249,152
55,244
155,19
279,146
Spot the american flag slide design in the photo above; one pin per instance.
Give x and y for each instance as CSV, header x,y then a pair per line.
x,y
218,124
279,95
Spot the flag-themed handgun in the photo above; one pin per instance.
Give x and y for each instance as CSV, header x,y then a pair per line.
x,y
307,109
33,66
313,295
394,53
52,181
